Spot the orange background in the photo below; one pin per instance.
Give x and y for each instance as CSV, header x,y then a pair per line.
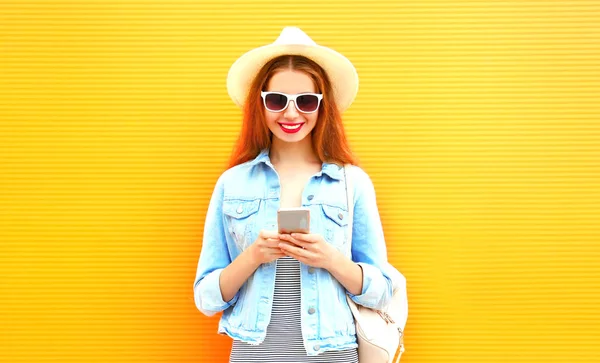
x,y
478,122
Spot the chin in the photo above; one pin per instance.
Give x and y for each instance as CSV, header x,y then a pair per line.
x,y
290,138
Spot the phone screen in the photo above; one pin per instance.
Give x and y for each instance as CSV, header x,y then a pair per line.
x,y
293,220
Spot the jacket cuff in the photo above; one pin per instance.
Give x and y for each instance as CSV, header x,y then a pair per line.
x,y
374,287
208,297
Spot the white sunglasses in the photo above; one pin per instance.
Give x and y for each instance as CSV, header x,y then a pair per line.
x,y
279,101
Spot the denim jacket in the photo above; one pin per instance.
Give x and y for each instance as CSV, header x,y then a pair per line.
x,y
245,200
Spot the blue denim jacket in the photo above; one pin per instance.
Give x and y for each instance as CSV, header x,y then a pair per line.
x,y
245,200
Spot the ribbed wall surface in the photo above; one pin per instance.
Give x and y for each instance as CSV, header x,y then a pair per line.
x,y
478,122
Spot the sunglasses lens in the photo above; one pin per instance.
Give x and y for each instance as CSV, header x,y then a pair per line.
x,y
275,102
307,103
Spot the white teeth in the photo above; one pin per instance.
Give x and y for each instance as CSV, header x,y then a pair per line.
x,y
291,127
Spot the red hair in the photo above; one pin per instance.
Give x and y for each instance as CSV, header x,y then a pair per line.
x,y
329,140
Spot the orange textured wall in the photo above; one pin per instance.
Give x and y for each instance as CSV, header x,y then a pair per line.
x,y
478,122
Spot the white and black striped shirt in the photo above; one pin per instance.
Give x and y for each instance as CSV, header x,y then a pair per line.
x,y
283,342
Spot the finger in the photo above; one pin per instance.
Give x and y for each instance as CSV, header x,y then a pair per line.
x,y
274,243
277,246
307,237
268,234
300,258
290,254
273,253
291,239
296,251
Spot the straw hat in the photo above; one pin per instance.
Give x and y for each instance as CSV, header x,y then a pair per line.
x,y
293,41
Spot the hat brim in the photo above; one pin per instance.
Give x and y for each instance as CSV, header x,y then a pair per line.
x,y
339,69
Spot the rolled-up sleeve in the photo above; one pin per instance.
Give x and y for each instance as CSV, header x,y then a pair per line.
x,y
214,257
369,250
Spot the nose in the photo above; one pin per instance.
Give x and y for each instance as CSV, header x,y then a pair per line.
x,y
291,112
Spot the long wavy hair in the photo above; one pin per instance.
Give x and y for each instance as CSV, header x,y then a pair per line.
x,y
329,140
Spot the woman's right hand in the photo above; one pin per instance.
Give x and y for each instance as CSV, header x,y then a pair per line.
x,y
266,247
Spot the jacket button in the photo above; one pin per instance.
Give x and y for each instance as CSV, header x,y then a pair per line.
x,y
340,216
316,347
311,311
310,197
311,270
240,209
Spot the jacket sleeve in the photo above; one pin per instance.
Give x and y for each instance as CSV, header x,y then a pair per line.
x,y
369,250
214,257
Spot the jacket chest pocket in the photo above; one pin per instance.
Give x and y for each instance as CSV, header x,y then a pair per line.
x,y
335,224
240,217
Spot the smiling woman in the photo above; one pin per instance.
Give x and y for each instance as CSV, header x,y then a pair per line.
x,y
289,94
281,294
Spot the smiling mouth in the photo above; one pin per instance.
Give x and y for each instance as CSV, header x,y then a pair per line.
x,y
291,128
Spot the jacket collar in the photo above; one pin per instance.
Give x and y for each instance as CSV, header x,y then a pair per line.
x,y
334,171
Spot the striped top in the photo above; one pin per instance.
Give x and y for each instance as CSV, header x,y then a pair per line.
x,y
283,342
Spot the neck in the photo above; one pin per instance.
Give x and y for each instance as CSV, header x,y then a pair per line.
x,y
300,152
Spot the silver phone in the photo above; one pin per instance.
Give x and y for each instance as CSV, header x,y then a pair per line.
x,y
293,220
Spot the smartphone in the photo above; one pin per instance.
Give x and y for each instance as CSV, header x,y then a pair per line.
x,y
293,220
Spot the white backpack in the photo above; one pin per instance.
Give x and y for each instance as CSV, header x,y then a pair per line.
x,y
380,333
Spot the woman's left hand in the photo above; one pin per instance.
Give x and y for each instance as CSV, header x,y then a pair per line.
x,y
310,249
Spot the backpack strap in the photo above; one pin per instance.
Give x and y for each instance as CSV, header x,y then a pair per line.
x,y
349,201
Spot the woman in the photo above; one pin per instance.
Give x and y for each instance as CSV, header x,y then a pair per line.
x,y
283,297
